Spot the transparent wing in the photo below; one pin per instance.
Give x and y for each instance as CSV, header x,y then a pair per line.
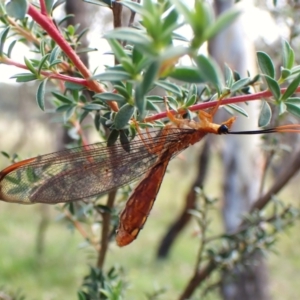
x,y
83,172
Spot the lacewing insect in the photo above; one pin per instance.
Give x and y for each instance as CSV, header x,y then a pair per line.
x,y
93,170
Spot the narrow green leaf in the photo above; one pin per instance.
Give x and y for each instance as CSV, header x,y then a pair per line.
x,y
54,54
113,137
69,113
10,48
5,154
238,109
93,106
210,71
293,100
81,296
123,116
122,91
124,141
49,4
193,90
179,37
30,66
151,106
137,56
174,53
55,62
97,120
149,77
291,88
288,55
293,106
187,74
173,103
229,80
3,36
112,75
285,73
142,89
42,63
109,97
73,86
17,9
155,98
239,84
168,86
273,87
282,108
183,9
128,66
265,63
63,108
191,101
80,36
117,49
170,21
265,114
293,109
140,101
223,21
83,116
40,94
62,98
24,77
131,35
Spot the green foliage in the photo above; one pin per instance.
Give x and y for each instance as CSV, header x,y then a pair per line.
x,y
17,8
98,286
265,115
148,57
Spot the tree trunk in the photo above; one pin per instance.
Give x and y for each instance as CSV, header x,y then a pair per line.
x,y
242,165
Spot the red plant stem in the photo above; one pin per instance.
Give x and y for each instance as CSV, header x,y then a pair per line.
x,y
232,100
196,107
53,75
84,82
43,7
47,24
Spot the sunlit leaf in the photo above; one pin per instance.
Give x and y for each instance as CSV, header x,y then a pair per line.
x,y
123,116
17,8
265,114
40,94
265,64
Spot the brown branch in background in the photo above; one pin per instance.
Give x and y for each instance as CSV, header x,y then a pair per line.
x,y
198,277
117,20
290,170
182,220
117,14
132,15
106,217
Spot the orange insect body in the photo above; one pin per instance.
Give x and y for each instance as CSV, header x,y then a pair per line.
x,y
139,205
93,170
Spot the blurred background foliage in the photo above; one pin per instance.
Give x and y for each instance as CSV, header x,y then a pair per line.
x,y
42,256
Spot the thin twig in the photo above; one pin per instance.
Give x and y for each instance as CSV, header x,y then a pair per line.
x,y
106,217
291,170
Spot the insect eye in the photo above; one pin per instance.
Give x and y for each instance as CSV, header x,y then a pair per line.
x,y
223,129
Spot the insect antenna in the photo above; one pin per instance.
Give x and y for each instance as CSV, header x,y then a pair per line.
x,y
294,128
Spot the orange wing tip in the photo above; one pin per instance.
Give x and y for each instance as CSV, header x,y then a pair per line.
x,y
124,238
15,166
